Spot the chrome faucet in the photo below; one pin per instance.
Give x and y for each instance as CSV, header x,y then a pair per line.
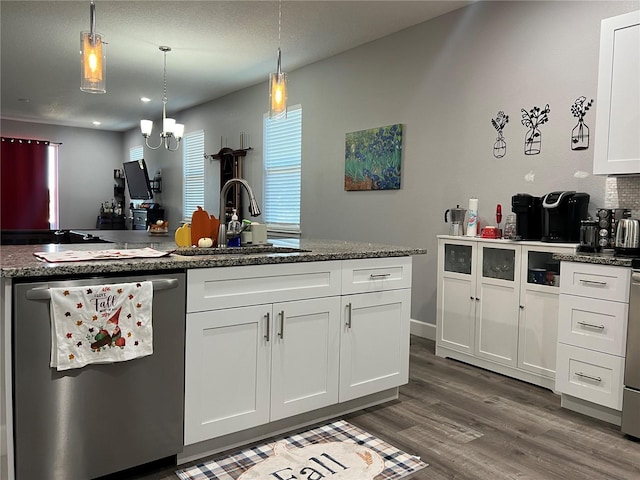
x,y
254,209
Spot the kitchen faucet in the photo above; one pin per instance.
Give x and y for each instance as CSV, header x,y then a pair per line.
x,y
254,209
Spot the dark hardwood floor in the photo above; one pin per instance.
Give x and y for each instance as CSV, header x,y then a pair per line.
x,y
468,423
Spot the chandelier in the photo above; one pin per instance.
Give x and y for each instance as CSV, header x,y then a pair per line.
x,y
278,81
92,57
170,129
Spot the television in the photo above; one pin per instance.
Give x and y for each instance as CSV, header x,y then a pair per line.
x,y
137,177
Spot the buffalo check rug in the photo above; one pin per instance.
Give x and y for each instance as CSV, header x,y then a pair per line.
x,y
335,451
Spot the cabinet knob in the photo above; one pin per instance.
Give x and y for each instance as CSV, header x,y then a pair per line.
x,y
471,298
477,299
521,307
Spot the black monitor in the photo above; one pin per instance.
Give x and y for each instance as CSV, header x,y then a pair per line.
x,y
138,180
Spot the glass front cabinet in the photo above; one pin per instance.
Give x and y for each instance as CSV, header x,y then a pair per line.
x,y
497,305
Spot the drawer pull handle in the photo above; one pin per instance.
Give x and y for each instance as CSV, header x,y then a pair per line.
x,y
585,324
379,275
281,334
349,315
267,316
594,282
584,375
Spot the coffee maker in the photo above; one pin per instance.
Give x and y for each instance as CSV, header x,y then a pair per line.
x,y
456,227
528,210
562,213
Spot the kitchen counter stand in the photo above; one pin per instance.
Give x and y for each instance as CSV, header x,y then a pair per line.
x,y
325,312
490,311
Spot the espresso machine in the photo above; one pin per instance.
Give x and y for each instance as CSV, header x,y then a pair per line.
x,y
455,217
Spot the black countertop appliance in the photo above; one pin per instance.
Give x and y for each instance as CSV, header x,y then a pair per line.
x,y
562,213
528,210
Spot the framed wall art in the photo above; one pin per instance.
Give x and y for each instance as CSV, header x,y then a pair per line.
x,y
373,159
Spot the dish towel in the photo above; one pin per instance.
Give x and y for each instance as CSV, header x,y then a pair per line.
x,y
100,324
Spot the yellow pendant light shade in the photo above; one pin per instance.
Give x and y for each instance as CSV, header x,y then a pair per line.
x,y
278,92
92,60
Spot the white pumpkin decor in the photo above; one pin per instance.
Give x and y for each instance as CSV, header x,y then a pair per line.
x,y
205,242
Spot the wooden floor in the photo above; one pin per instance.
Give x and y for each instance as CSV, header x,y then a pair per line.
x,y
467,423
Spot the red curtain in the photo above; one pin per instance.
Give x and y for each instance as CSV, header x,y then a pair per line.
x,y
24,191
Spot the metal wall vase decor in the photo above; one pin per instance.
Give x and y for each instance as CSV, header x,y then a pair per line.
x,y
533,120
580,133
500,147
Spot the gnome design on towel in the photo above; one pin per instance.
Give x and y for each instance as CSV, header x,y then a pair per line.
x,y
103,338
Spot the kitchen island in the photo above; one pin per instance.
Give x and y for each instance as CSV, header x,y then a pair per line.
x,y
344,293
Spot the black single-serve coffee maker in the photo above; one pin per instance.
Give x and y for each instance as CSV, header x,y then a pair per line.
x,y
562,213
528,210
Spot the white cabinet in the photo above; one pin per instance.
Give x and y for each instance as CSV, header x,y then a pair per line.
x,y
248,365
268,342
538,329
374,349
374,344
497,305
592,332
456,324
496,297
617,143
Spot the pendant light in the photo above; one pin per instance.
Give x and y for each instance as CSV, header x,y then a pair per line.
x,y
170,129
278,81
92,58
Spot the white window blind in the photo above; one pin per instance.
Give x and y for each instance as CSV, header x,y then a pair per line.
x,y
136,153
192,173
282,170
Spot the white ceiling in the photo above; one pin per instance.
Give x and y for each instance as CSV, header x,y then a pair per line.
x,y
217,47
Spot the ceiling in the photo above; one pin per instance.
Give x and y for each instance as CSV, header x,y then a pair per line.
x,y
218,47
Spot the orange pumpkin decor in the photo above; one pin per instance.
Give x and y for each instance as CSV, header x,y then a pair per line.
x,y
200,225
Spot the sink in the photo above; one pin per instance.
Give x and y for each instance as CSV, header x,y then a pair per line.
x,y
245,250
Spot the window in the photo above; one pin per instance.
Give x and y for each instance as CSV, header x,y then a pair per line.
x,y
192,173
136,153
282,169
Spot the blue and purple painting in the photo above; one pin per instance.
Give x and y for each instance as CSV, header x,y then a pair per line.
x,y
373,158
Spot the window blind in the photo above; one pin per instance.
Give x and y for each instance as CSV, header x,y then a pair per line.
x,y
136,153
192,173
282,171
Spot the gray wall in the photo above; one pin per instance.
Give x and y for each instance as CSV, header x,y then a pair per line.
x,y
86,160
443,80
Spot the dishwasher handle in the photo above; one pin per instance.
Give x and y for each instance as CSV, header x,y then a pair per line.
x,y
42,293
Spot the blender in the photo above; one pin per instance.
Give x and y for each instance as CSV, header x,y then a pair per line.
x,y
455,216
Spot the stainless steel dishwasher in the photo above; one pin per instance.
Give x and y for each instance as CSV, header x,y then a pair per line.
x,y
88,422
631,393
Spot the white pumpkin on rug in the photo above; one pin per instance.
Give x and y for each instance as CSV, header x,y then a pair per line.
x,y
332,460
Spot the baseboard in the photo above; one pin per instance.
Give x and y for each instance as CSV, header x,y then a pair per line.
x,y
422,329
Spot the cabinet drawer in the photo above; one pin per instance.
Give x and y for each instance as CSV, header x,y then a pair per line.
x,y
595,281
375,274
592,376
215,288
594,324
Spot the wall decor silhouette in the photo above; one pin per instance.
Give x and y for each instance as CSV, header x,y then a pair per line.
x,y
534,119
500,147
580,133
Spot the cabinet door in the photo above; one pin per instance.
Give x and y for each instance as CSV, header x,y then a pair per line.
x,y
456,302
617,144
374,346
497,294
538,333
227,372
305,356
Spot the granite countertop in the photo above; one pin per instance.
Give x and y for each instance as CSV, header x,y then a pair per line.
x,y
19,261
598,258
